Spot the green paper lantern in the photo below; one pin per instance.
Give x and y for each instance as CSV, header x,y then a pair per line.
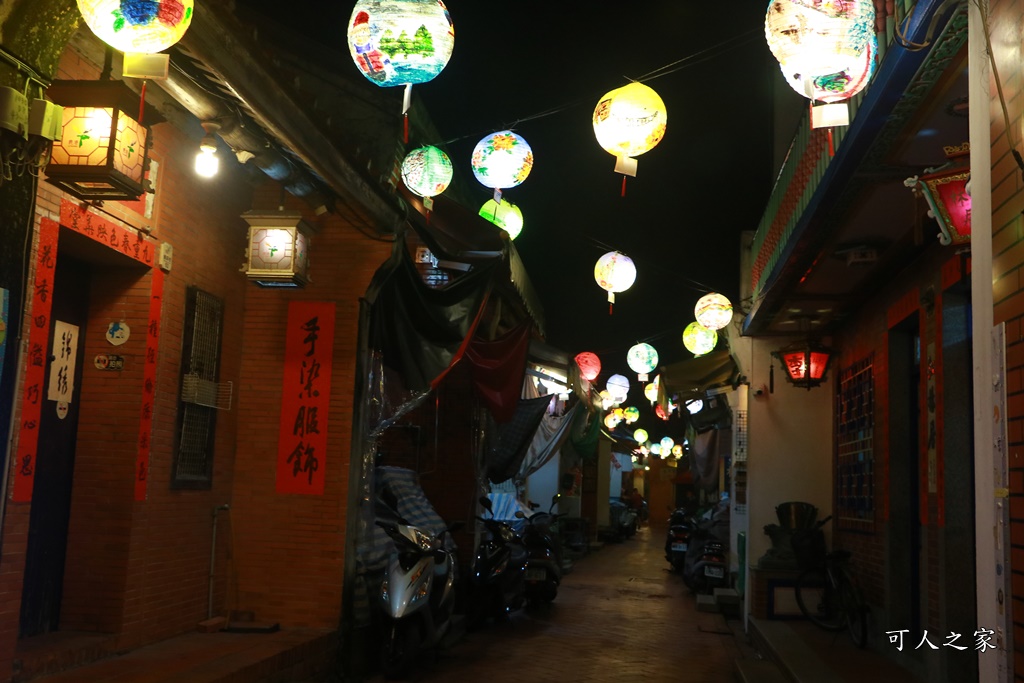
x,y
698,339
640,436
506,216
427,171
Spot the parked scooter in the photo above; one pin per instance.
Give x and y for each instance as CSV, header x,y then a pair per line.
x,y
677,542
417,594
706,565
543,562
499,571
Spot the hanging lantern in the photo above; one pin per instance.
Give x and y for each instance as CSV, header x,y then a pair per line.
x,y
695,406
278,253
618,388
666,444
631,414
502,160
427,171
713,311
651,392
619,414
677,451
659,412
610,421
505,215
607,401
805,363
145,26
400,42
698,339
102,150
656,449
642,358
614,272
945,190
640,436
629,121
826,50
589,364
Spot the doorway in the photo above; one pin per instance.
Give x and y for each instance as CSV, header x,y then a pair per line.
x,y
55,454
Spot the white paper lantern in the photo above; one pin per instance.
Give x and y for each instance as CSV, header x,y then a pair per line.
x,y
618,387
400,42
614,272
145,26
713,311
502,160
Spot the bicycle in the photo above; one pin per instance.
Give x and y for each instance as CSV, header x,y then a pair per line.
x,y
826,592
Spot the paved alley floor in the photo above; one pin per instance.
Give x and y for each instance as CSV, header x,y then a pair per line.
x,y
620,615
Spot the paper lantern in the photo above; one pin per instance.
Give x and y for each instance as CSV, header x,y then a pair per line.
x,y
651,392
713,311
145,26
640,436
659,412
629,121
618,387
502,160
826,50
427,171
631,414
278,253
666,444
589,364
611,421
619,414
505,215
606,399
400,42
656,449
641,359
614,272
695,406
698,339
677,451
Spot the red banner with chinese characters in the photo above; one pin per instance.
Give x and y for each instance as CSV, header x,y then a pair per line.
x,y
156,295
305,397
35,371
128,242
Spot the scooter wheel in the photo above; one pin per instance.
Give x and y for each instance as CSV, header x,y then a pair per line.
x,y
399,650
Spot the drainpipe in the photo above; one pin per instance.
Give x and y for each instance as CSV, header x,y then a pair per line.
x,y
213,555
990,507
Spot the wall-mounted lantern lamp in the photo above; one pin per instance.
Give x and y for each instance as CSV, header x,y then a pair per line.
x,y
278,251
946,190
805,363
207,163
102,151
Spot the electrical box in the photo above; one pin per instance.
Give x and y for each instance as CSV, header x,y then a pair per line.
x,y
165,256
14,111
45,119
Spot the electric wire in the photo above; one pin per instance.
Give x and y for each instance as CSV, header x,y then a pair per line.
x,y
986,29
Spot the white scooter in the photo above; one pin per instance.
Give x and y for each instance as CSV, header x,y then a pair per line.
x,y
417,595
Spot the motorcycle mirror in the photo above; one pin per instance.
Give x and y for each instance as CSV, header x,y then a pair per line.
x,y
485,503
554,501
520,514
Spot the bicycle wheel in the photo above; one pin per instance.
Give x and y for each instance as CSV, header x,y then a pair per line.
x,y
856,611
819,601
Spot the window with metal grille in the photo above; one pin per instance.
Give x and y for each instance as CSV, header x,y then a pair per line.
x,y
855,459
200,363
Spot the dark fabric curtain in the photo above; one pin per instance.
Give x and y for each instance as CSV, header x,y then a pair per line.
x,y
417,332
498,367
508,443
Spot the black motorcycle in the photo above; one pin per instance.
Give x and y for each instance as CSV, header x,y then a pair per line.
x,y
677,542
498,577
706,566
543,562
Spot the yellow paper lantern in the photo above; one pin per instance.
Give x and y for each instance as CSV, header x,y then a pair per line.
x,y
713,311
629,121
640,436
651,392
611,421
698,339
505,215
826,49
137,25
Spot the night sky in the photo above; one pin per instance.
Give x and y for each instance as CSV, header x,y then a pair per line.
x,y
539,68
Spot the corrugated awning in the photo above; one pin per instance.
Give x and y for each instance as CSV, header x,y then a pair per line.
x,y
693,378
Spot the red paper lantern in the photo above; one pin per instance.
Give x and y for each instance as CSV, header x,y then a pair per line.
x,y
590,365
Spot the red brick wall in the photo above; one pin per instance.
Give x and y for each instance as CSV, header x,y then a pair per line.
x,y
287,550
1006,19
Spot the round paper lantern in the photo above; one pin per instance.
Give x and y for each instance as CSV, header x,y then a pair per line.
x,y
606,399
427,171
641,359
618,387
502,159
655,449
137,25
629,121
631,414
695,406
590,365
651,392
713,311
614,272
506,216
610,421
677,451
659,412
826,49
698,339
400,42
666,444
640,436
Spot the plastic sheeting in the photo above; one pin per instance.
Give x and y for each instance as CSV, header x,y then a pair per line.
x,y
498,367
548,439
508,443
